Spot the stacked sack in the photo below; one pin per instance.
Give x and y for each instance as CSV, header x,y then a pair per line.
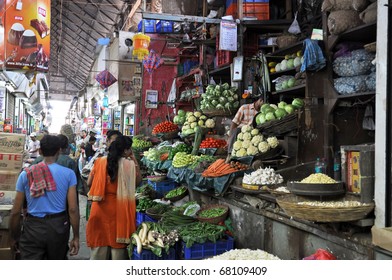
x,y
347,14
355,70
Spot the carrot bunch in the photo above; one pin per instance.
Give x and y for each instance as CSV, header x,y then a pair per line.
x,y
221,168
164,127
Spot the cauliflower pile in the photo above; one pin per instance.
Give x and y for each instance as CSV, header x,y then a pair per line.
x,y
251,142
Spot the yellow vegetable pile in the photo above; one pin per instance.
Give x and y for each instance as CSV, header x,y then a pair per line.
x,y
318,178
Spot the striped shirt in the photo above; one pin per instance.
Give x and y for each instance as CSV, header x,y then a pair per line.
x,y
245,114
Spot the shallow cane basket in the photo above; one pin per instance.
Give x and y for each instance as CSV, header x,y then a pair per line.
x,y
168,135
214,220
291,205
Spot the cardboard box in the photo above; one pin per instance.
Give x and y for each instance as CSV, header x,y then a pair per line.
x,y
8,180
6,254
5,212
11,162
382,237
12,143
7,197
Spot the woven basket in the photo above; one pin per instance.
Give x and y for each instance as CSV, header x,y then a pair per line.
x,y
167,135
277,127
214,220
286,40
289,203
156,178
178,197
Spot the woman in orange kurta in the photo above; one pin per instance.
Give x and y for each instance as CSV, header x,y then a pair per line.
x,y
112,217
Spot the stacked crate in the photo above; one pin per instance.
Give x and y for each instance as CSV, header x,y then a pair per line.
x,y
11,161
258,9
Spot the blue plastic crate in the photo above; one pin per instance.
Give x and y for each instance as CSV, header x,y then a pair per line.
x,y
148,255
164,26
202,250
149,26
143,217
163,187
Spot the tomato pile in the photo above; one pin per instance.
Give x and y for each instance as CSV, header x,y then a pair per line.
x,y
164,127
213,143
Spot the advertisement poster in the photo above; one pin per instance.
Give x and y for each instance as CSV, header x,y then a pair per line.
x,y
151,99
127,88
26,39
228,36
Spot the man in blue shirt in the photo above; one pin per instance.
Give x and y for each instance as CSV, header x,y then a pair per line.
x,y
51,208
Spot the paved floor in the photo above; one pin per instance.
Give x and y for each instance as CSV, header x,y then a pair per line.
x,y
84,251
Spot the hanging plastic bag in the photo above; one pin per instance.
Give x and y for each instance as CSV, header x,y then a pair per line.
x,y
368,120
294,27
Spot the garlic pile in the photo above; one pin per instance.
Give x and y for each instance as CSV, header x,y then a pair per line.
x,y
263,176
245,254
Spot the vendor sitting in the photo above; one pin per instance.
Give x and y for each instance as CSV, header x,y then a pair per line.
x,y
244,116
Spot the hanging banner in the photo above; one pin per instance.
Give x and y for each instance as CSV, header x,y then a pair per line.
x,y
25,42
228,36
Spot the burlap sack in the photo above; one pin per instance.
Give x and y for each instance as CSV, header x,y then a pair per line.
x,y
369,14
335,5
343,20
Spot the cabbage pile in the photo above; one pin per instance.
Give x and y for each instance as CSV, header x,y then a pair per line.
x,y
269,112
251,142
221,97
180,118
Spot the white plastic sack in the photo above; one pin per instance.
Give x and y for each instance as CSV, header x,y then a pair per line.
x,y
294,27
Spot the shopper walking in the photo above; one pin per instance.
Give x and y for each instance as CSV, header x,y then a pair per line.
x,y
89,151
50,192
113,180
34,145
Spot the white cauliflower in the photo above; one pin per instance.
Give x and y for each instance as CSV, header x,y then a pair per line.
x,y
246,128
256,140
263,147
241,153
210,123
240,136
247,136
252,150
191,119
273,142
237,145
197,114
254,132
246,144
233,153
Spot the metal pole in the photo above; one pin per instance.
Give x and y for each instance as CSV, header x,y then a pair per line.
x,y
388,125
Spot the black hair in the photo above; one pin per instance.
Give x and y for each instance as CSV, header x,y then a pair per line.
x,y
92,138
63,141
112,132
116,151
49,145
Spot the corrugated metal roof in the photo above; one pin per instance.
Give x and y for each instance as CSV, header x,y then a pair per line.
x,y
76,26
